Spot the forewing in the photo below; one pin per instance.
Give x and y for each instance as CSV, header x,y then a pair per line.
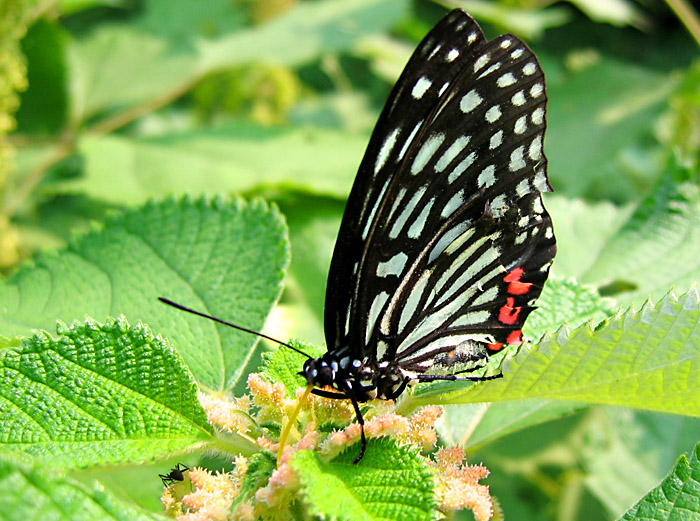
x,y
453,241
440,57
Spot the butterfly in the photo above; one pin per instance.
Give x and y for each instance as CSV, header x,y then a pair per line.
x,y
445,244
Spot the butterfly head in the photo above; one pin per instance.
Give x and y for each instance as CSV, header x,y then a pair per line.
x,y
319,371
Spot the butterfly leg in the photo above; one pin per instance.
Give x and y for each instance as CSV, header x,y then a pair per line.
x,y
358,415
452,377
401,388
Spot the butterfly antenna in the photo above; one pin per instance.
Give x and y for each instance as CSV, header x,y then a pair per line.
x,y
229,324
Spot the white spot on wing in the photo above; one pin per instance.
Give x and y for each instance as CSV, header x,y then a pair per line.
x,y
518,99
493,114
517,53
396,203
499,205
486,177
421,87
541,181
452,55
452,152
537,205
538,116
520,125
393,266
491,69
461,167
411,304
472,318
506,80
471,38
536,90
406,212
417,226
409,140
426,152
470,101
516,159
535,150
505,43
496,140
374,310
435,50
377,203
447,239
481,61
529,69
523,188
381,349
453,204
386,149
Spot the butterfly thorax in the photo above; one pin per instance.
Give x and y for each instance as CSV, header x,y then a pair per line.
x,y
362,379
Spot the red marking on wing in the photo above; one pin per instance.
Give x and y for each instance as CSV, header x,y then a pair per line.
x,y
509,314
495,347
515,287
515,338
514,275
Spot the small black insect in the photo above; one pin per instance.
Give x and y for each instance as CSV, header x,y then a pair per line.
x,y
174,476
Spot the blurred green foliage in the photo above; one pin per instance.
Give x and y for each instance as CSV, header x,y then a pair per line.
x,y
106,103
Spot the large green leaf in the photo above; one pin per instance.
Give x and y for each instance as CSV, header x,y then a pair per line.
x,y
97,395
157,57
226,258
582,229
646,359
390,483
677,498
38,495
647,443
658,247
230,159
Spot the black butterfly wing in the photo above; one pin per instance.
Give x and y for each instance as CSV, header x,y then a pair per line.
x,y
398,122
445,244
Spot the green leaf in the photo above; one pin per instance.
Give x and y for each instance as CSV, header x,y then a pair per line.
x,y
97,395
43,106
327,26
390,482
582,229
283,364
39,495
676,498
563,301
646,359
157,57
473,425
659,245
602,107
225,258
118,66
647,443
235,158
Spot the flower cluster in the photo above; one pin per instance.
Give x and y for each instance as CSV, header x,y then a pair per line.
x,y
275,485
